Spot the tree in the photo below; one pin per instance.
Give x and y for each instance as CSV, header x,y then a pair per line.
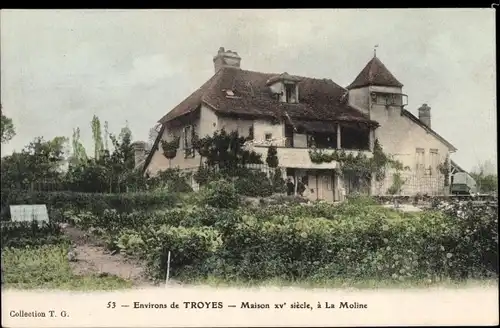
x,y
97,136
79,154
272,157
39,161
7,128
224,153
112,171
272,161
486,179
106,135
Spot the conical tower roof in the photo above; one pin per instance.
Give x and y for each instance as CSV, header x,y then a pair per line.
x,y
375,73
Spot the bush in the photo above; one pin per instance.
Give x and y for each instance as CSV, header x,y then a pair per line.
x,y
353,241
361,200
206,174
188,247
172,180
279,184
254,184
221,194
22,234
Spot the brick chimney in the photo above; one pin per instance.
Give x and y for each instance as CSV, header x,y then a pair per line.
x,y
139,152
226,58
424,115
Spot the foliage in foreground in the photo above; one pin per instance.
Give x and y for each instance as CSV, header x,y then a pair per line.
x,y
47,267
21,234
355,240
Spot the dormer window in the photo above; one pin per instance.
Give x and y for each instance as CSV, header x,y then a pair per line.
x,y
285,87
290,93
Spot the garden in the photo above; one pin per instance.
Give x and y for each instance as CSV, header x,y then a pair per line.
x,y
214,236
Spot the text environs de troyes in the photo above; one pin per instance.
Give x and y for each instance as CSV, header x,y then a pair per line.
x,y
183,305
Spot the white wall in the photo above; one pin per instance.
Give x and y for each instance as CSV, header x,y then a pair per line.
x,y
260,127
205,125
400,137
359,98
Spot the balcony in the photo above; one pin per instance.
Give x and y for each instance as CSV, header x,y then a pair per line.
x,y
298,157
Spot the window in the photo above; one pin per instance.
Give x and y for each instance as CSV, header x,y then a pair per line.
x,y
250,132
290,93
269,136
288,135
434,160
420,161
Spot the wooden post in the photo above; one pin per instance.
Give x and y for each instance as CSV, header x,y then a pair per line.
x,y
372,139
168,269
339,143
317,185
295,182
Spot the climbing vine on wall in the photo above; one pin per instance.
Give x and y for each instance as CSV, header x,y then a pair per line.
x,y
444,168
359,164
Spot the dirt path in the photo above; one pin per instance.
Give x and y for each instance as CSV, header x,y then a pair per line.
x,y
92,258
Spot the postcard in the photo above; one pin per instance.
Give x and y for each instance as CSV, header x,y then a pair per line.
x,y
248,168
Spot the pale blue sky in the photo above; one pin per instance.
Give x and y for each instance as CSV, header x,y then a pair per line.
x,y
59,68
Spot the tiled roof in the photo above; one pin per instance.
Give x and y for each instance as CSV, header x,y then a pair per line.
x,y
456,166
375,73
319,99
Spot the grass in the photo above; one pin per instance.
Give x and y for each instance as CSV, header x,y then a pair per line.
x,y
47,267
346,283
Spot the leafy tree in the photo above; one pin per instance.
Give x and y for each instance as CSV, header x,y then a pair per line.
x,y
112,171
272,157
79,154
225,155
277,181
6,127
106,135
227,151
486,179
39,161
97,136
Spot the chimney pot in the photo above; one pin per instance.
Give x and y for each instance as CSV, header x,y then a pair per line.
x,y
226,58
424,115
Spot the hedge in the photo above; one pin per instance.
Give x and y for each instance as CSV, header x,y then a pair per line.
x,y
95,203
318,241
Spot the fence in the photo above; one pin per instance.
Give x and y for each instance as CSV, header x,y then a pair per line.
x,y
413,184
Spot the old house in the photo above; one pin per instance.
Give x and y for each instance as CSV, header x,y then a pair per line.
x,y
296,113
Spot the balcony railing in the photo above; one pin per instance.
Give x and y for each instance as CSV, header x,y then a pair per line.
x,y
288,143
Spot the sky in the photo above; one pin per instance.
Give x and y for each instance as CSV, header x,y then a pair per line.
x,y
61,67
